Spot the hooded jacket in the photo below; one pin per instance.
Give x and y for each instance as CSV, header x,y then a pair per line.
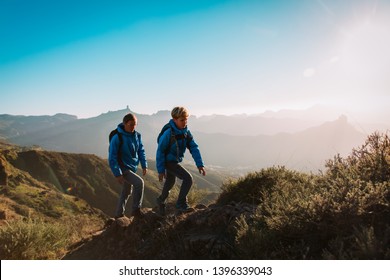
x,y
174,152
132,152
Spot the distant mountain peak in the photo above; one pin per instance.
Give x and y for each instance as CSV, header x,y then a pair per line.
x,y
343,118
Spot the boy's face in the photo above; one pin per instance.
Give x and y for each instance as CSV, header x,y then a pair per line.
x,y
130,126
180,122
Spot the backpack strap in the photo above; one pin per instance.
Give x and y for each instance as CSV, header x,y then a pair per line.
x,y
186,136
174,137
189,138
119,155
171,140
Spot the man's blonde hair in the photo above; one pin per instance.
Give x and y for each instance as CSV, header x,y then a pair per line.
x,y
180,112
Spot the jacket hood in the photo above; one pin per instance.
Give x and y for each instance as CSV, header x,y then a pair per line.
x,y
121,129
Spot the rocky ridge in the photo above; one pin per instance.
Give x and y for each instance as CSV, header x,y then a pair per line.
x,y
208,232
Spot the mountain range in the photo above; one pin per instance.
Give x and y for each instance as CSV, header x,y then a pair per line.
x,y
237,142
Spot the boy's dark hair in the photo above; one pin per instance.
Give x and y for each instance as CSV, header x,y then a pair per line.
x,y
129,117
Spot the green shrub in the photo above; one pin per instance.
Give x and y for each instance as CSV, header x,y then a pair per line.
x,y
370,162
340,214
254,186
363,243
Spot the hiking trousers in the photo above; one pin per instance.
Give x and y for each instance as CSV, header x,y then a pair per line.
x,y
174,170
133,184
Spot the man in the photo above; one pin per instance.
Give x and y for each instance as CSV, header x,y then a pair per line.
x,y
126,151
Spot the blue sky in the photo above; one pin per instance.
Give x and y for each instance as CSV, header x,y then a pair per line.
x,y
88,57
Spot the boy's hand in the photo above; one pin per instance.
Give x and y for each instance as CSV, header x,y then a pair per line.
x,y
144,170
161,176
202,170
120,179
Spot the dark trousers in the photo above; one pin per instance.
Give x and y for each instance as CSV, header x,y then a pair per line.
x,y
176,170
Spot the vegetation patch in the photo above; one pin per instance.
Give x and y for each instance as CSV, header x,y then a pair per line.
x,y
339,214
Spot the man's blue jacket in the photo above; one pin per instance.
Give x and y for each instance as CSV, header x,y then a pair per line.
x,y
132,152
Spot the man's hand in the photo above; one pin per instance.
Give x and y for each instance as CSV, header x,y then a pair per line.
x,y
120,179
161,176
202,170
144,170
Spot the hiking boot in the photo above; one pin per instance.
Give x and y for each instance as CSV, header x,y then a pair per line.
x,y
161,206
183,207
136,213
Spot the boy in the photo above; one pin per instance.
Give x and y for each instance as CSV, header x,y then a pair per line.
x,y
172,144
126,151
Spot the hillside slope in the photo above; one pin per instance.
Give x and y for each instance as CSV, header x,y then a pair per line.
x,y
23,196
274,213
49,200
78,175
89,177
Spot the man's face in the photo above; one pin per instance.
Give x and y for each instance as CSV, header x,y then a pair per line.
x,y
181,122
130,126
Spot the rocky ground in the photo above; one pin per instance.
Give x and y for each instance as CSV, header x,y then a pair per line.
x,y
208,232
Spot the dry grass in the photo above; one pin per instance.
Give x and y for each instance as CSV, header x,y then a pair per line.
x,y
37,239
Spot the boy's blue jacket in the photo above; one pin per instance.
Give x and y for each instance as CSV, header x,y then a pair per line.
x,y
132,152
177,148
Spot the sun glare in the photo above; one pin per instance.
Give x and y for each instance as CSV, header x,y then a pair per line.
x,y
309,72
365,47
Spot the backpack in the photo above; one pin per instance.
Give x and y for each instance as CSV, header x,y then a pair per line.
x,y
112,133
174,137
